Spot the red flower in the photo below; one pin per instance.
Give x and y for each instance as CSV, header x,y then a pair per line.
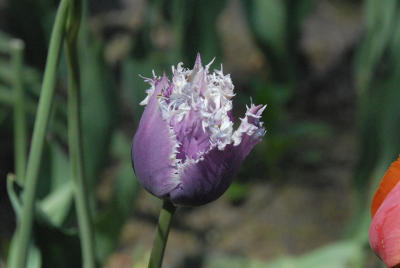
x,y
384,232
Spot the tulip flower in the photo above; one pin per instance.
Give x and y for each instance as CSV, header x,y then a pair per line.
x,y
185,148
384,232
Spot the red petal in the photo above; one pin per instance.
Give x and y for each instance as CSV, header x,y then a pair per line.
x,y
387,184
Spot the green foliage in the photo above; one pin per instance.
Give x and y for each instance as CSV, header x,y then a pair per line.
x,y
206,39
377,77
110,220
53,217
98,106
276,25
49,214
337,255
237,192
380,25
269,19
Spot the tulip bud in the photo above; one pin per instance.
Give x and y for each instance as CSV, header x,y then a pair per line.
x,y
384,232
185,148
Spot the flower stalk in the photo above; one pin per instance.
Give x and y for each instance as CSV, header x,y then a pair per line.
x,y
17,53
160,240
24,228
75,136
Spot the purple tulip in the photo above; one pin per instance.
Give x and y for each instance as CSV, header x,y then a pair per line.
x,y
185,148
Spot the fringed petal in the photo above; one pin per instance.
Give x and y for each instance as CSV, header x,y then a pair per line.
x,y
205,180
250,131
154,147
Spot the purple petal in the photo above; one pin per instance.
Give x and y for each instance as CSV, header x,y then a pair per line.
x,y
189,133
197,77
230,115
250,131
197,63
208,179
154,147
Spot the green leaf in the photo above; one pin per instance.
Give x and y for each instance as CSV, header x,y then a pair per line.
x,y
200,34
379,114
98,109
55,207
380,24
59,167
109,222
58,203
126,186
269,21
34,257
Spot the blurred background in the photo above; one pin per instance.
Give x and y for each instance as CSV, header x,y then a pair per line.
x,y
329,71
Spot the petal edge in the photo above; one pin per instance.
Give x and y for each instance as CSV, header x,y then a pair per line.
x,y
154,148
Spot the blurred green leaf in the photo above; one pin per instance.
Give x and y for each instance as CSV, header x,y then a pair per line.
x,y
59,167
120,146
237,191
53,208
58,203
380,23
34,257
337,255
276,95
125,190
55,242
379,115
206,40
98,109
269,22
275,25
377,77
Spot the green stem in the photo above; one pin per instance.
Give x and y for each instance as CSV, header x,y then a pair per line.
x,y
75,137
24,229
160,241
17,51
